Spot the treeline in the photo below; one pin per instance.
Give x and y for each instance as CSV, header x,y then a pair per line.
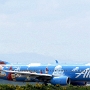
x,y
42,87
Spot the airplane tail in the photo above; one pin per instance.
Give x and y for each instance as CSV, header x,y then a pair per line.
x,y
56,61
3,62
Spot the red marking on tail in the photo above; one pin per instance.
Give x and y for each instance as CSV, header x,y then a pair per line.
x,y
2,62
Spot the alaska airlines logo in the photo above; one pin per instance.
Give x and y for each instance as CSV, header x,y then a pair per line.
x,y
85,73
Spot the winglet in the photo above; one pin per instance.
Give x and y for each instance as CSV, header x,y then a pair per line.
x,y
56,61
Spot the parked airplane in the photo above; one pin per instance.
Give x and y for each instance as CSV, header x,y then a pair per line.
x,y
54,74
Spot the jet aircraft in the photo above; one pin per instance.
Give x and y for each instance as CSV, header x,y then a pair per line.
x,y
54,74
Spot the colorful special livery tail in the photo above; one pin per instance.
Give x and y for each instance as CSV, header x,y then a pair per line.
x,y
3,62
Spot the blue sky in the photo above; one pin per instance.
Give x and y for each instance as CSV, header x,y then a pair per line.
x,y
55,28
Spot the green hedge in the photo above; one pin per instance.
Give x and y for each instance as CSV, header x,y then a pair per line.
x,y
42,87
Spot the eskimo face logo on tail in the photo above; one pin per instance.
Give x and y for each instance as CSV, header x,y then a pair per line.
x,y
58,71
85,73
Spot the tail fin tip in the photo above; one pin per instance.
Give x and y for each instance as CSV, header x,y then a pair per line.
x,y
56,61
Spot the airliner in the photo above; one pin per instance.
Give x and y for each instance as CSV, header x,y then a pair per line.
x,y
54,74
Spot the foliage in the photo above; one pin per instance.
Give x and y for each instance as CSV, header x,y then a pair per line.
x,y
38,86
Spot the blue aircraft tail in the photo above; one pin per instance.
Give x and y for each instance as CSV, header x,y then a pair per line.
x,y
56,61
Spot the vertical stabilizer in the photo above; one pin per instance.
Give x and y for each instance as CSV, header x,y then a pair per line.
x,y
56,61
3,62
